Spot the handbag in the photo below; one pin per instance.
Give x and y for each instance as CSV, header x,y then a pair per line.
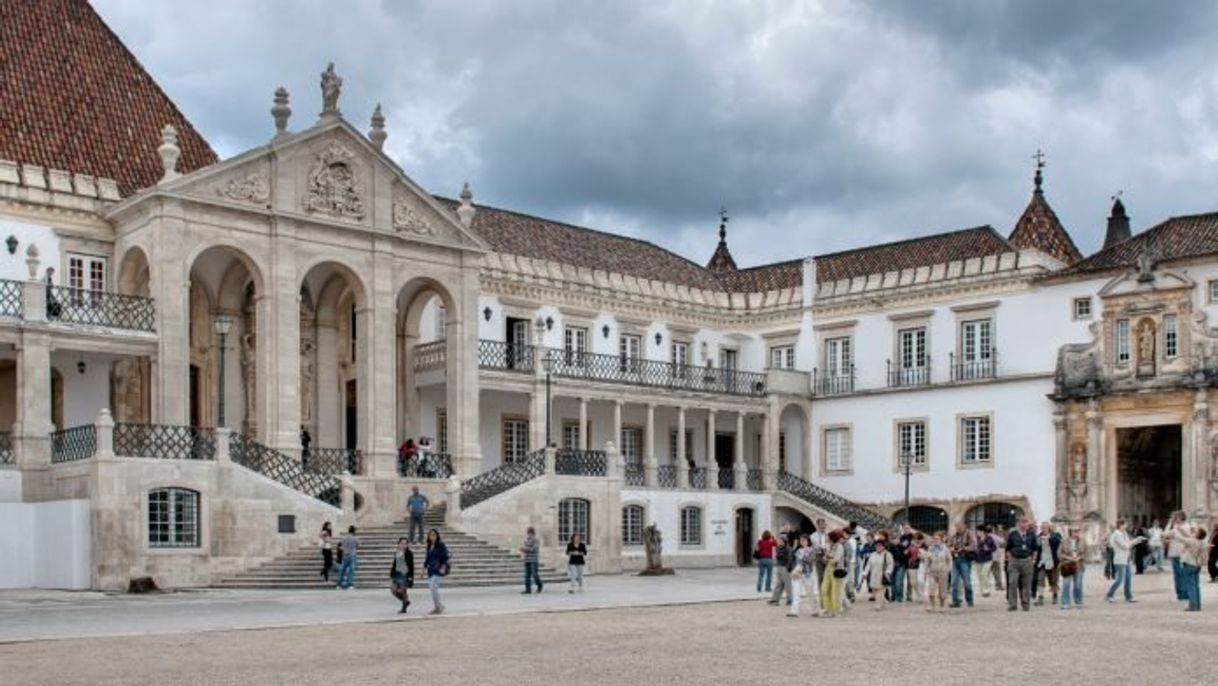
x,y
1069,568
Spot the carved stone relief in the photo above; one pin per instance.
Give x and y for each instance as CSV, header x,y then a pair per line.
x,y
251,188
405,218
333,185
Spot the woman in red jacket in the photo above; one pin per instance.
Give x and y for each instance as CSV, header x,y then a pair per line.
x,y
764,554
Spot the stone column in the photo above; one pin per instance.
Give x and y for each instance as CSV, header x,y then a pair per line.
x,y
1062,470
103,425
537,419
462,372
650,465
1195,470
1096,499
379,371
170,286
738,464
583,423
682,465
224,437
616,439
712,467
810,445
768,467
33,426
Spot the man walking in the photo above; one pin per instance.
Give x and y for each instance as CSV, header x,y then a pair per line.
x,y
416,505
346,570
964,551
531,551
820,544
1122,565
900,562
784,562
1020,550
1048,561
985,559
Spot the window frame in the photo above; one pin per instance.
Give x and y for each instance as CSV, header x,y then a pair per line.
x,y
837,429
691,536
1213,291
1171,337
838,356
962,440
178,534
984,328
1122,352
441,429
569,509
639,448
921,462
629,527
1076,315
503,438
782,356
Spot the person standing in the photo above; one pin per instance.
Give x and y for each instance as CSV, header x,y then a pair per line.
x,y
820,543
531,551
1020,556
835,565
436,566
1155,536
326,541
401,574
305,441
1072,554
1213,561
937,558
853,561
764,554
916,567
999,568
577,554
803,578
880,566
964,551
1193,547
1122,565
900,560
784,562
985,560
1047,563
346,571
416,505
1174,547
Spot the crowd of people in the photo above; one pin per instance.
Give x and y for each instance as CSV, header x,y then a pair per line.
x,y
1031,565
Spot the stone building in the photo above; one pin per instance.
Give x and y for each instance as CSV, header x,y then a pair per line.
x,y
230,352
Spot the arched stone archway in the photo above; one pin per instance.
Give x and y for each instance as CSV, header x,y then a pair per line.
x,y
335,343
794,454
424,309
925,518
994,514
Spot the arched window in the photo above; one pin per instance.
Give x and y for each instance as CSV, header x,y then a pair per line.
x,y
173,518
691,525
924,518
993,514
573,518
632,525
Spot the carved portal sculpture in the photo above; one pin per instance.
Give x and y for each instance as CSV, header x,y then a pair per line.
x,y
333,185
1146,347
406,219
307,376
252,188
249,354
1078,463
331,88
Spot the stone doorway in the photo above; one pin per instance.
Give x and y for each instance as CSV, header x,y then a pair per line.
x,y
744,536
725,450
1148,472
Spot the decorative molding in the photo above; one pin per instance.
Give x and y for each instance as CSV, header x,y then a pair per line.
x,y
251,188
578,312
406,219
781,333
974,307
333,184
833,326
917,314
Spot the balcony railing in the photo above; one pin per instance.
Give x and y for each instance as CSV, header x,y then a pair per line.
x,y
632,370
76,443
697,478
428,466
163,441
904,377
634,475
666,476
727,478
753,480
6,448
505,356
12,298
429,356
569,462
836,382
100,308
984,367
286,470
333,460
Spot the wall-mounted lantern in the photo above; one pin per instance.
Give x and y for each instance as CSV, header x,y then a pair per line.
x,y
11,242
486,313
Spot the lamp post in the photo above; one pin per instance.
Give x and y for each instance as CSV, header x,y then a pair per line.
x,y
906,467
548,363
223,324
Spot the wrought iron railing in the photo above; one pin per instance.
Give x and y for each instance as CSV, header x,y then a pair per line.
x,y
904,377
727,479
286,470
502,478
639,372
432,355
505,356
426,466
666,476
697,478
76,443
980,368
569,462
6,448
833,503
836,383
333,460
101,308
12,298
164,441
752,480
634,475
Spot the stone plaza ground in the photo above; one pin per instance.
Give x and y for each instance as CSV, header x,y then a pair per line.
x,y
704,627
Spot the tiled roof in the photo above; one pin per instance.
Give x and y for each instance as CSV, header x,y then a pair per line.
x,y
767,277
1177,238
76,99
1039,228
912,253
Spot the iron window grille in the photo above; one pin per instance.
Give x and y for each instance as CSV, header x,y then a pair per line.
x,y
173,518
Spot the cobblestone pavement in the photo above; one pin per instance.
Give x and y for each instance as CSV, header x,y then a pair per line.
x,y
715,643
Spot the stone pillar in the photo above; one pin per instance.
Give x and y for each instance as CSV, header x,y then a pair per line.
x,y
583,424
278,343
682,465
769,474
452,494
613,461
379,370
650,465
810,445
1062,449
616,438
1195,470
224,437
104,426
550,456
712,467
170,286
33,426
537,418
1096,501
462,380
738,464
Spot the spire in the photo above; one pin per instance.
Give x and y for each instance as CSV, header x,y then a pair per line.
x,y
466,210
1118,223
169,152
281,111
1038,178
721,260
1038,227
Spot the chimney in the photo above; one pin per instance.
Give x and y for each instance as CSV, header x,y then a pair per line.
x,y
1118,224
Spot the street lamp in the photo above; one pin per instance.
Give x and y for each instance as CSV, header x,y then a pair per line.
x,y
223,324
547,363
906,466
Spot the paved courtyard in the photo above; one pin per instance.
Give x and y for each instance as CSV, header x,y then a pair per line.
x,y
664,631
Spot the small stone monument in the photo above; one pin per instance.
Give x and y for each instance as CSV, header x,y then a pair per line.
x,y
653,544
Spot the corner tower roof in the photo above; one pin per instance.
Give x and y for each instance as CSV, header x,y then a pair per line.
x,y
1039,228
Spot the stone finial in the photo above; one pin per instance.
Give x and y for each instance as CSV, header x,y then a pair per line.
x,y
170,152
32,261
466,210
331,88
281,111
377,133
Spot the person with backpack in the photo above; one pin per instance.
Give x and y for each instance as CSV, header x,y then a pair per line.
x,y
401,573
436,567
1073,556
764,554
986,547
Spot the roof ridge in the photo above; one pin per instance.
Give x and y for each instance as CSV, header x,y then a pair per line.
x,y
980,227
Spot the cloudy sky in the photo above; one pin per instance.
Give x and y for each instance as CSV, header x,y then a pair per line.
x,y
820,126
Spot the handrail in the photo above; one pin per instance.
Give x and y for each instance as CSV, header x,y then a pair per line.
x,y
333,461
639,372
505,356
429,356
426,466
833,503
100,308
12,298
275,465
502,478
72,444
569,462
164,441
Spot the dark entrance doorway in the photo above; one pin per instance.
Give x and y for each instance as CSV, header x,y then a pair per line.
x,y
725,450
1148,472
352,415
194,395
744,536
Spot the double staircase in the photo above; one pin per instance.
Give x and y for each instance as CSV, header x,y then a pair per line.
x,y
834,504
473,562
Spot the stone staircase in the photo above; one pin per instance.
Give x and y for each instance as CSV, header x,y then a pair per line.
x,y
474,562
834,504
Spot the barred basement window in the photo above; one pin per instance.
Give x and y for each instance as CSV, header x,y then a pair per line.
x,y
632,525
691,525
573,518
173,518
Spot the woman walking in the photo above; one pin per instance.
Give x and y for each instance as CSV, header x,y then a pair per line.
x,y
764,554
436,566
938,561
326,541
577,552
880,565
835,575
401,574
1073,558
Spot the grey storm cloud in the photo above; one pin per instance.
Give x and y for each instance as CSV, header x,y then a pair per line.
x,y
820,125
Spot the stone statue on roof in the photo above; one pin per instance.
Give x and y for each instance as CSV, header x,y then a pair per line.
x,y
331,87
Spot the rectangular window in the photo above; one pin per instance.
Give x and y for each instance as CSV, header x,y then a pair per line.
x,y
975,340
632,525
782,451
911,440
1082,308
727,359
837,449
680,353
691,526
689,445
570,436
1214,291
574,345
442,431
782,357
1171,339
87,272
1121,341
173,518
632,445
837,357
441,323
912,348
515,439
975,440
629,347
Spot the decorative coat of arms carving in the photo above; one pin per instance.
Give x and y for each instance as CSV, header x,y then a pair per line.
x,y
406,219
334,185
252,188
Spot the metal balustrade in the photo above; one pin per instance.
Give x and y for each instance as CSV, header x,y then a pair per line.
x,y
426,466
833,503
100,308
971,370
164,441
666,476
727,478
697,478
6,448
12,298
906,377
333,460
501,479
836,383
286,470
569,462
631,370
505,356
634,475
76,443
752,480
428,356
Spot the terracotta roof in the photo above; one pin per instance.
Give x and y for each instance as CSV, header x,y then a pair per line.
x,y
908,254
76,99
767,277
1039,228
1177,238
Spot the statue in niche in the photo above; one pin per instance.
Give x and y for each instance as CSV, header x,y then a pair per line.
x,y
127,387
1213,470
249,354
1146,348
1078,463
307,380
